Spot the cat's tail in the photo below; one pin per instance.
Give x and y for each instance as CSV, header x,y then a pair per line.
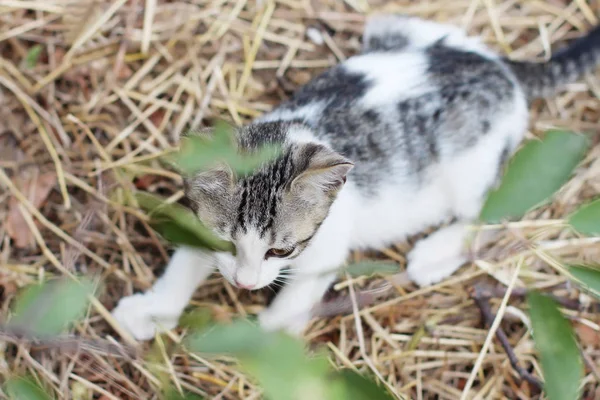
x,y
540,79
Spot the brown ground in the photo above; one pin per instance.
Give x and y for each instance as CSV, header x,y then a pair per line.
x,y
116,83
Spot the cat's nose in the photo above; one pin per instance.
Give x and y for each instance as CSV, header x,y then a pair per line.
x,y
244,285
246,278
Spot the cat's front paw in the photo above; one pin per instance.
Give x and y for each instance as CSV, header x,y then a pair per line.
x,y
426,266
145,314
274,320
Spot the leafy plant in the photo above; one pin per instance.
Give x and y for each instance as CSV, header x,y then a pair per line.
x,y
278,362
32,56
555,341
367,268
173,394
179,225
588,277
586,220
20,388
534,174
201,151
49,308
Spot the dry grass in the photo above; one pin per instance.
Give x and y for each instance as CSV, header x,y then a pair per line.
x,y
118,81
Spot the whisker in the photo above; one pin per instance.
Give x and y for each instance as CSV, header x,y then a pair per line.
x,y
279,282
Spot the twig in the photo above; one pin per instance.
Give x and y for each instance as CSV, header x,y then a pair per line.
x,y
343,305
493,329
499,291
481,294
361,339
19,335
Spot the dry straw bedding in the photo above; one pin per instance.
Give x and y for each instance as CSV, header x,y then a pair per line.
x,y
115,84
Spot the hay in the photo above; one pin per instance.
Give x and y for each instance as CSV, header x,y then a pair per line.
x,y
118,81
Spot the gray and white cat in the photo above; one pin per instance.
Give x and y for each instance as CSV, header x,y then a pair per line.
x,y
409,134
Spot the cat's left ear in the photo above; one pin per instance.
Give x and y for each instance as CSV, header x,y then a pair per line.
x,y
325,169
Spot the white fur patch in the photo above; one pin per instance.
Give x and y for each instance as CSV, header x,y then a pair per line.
x,y
422,33
394,76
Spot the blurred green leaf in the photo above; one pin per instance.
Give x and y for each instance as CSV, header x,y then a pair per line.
x,y
25,388
173,394
202,151
536,172
179,225
49,308
238,338
366,268
196,319
32,56
359,387
275,359
588,278
555,341
416,338
586,220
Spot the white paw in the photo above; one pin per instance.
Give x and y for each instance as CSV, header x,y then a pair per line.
x,y
274,320
436,257
145,314
427,272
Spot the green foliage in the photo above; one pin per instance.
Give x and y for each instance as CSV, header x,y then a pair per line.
x,y
586,220
25,388
357,387
202,151
536,172
173,394
49,308
367,268
555,341
32,56
588,278
278,362
196,319
179,225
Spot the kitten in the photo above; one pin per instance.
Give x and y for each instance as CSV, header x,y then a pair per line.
x,y
409,134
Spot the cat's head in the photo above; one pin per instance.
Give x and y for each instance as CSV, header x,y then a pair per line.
x,y
272,215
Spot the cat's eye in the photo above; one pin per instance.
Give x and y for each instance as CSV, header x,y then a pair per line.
x,y
280,253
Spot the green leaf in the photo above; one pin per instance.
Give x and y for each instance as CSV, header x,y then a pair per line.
x,y
238,338
22,388
179,225
275,359
588,278
32,56
360,388
203,151
555,342
196,319
173,394
366,268
534,174
586,220
49,308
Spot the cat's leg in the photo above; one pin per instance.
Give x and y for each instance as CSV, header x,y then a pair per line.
x,y
291,309
439,255
145,314
314,271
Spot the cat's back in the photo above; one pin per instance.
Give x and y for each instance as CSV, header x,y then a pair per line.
x,y
418,93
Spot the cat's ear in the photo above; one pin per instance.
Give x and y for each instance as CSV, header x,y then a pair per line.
x,y
325,170
214,184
